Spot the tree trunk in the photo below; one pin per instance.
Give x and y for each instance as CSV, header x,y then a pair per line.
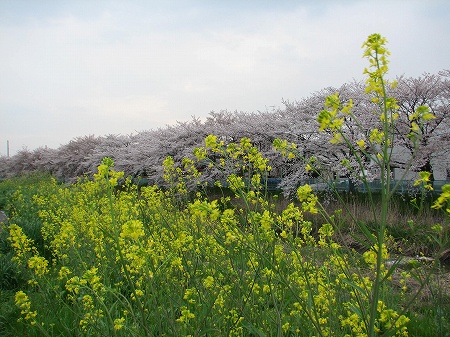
x,y
427,167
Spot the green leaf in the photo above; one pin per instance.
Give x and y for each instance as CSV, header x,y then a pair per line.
x,y
427,116
367,234
356,287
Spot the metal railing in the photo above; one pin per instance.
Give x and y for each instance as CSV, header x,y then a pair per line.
x,y
345,185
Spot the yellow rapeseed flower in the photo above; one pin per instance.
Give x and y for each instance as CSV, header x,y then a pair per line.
x,y
208,282
361,143
118,323
303,192
39,264
23,302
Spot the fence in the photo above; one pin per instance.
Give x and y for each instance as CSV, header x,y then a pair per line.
x,y
346,185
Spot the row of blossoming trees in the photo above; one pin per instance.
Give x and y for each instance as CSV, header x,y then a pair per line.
x,y
142,154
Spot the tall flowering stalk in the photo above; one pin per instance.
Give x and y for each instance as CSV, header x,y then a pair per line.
x,y
376,53
376,145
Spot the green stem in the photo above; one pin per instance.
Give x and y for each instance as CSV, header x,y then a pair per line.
x,y
385,196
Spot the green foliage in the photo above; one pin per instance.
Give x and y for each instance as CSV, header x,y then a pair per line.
x,y
135,264
99,260
9,186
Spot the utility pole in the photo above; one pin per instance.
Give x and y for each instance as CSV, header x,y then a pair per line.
x,y
7,149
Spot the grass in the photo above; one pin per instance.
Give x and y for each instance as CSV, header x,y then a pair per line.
x,y
252,290
410,231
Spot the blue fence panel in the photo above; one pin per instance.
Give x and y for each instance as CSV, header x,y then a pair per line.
x,y
344,185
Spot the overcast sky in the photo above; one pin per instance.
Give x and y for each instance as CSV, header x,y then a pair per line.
x,y
75,68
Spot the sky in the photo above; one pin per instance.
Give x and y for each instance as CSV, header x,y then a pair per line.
x,y
82,67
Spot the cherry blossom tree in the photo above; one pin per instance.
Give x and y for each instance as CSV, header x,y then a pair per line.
x,y
298,124
70,160
430,147
26,161
142,154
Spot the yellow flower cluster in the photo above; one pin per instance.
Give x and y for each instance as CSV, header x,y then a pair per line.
x,y
371,255
424,180
376,52
133,229
328,118
443,199
23,302
139,263
285,148
307,198
39,265
105,171
92,315
22,245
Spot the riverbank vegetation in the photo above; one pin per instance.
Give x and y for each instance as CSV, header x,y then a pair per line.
x,y
106,257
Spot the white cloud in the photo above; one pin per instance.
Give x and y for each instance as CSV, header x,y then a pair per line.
x,y
121,67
